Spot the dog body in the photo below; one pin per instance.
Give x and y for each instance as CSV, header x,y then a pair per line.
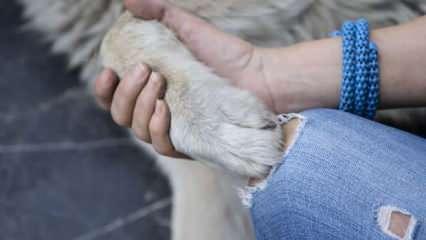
x,y
206,205
211,122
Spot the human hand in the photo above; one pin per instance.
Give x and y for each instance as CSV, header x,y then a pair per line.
x,y
230,57
136,102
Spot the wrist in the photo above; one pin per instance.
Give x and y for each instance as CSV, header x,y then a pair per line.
x,y
304,76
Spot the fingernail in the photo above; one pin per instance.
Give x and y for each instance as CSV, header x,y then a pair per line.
x,y
139,70
155,79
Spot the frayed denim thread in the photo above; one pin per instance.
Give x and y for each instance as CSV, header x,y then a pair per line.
x,y
246,193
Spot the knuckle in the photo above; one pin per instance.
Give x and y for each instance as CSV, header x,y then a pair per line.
x,y
130,3
99,94
141,107
101,89
165,151
141,134
189,33
155,129
102,97
119,119
126,90
105,83
156,80
144,68
132,83
141,77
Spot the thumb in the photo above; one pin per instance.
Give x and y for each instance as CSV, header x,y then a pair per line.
x,y
147,9
193,31
187,27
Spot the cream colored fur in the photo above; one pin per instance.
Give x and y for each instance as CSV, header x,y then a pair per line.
x,y
210,119
205,203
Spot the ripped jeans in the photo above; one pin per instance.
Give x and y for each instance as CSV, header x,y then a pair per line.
x,y
345,177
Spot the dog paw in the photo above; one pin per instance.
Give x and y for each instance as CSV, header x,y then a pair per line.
x,y
250,137
210,119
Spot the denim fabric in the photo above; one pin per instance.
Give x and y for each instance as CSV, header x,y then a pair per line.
x,y
340,171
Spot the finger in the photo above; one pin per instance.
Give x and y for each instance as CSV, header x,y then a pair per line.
x,y
146,9
124,99
145,106
105,86
159,131
194,32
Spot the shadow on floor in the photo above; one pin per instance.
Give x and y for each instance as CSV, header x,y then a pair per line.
x,y
66,171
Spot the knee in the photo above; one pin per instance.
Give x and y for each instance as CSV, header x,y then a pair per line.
x,y
284,207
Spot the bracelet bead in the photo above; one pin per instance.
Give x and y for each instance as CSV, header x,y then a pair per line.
x,y
347,90
360,89
362,61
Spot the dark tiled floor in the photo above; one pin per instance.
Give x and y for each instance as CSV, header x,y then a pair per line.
x,y
66,171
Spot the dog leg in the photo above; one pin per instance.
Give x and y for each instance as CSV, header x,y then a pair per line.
x,y
205,203
210,119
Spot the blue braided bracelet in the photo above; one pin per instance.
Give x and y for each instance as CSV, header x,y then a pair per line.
x,y
360,84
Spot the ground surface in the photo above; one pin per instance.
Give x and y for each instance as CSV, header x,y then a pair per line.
x,y
66,171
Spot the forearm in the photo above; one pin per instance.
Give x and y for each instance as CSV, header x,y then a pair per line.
x,y
403,64
308,75
305,75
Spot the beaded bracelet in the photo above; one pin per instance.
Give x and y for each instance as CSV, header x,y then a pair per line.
x,y
360,74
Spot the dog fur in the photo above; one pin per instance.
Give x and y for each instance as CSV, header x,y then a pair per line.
x,y
210,119
205,203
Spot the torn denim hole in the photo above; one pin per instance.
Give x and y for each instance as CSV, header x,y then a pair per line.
x,y
246,193
396,223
